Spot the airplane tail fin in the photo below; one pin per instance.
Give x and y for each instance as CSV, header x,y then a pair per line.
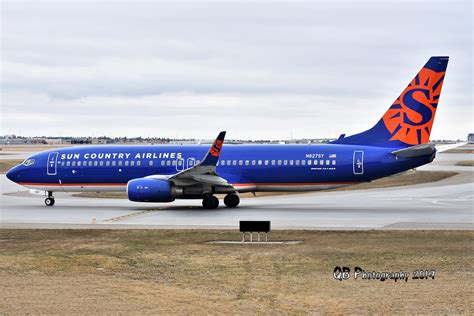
x,y
409,119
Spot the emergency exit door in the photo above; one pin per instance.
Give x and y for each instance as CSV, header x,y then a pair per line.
x,y
358,162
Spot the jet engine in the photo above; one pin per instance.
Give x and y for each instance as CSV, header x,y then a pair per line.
x,y
149,190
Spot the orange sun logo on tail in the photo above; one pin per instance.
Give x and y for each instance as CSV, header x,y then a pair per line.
x,y
216,148
411,116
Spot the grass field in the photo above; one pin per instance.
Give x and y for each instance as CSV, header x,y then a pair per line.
x,y
6,164
465,163
177,272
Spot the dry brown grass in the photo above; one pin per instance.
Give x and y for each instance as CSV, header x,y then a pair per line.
x,y
6,164
407,178
465,163
460,150
164,271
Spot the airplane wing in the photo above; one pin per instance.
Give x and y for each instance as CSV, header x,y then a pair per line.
x,y
204,172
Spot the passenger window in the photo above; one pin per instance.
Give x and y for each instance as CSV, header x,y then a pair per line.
x,y
334,162
253,162
291,162
285,162
223,162
126,162
273,162
246,162
68,163
297,162
259,162
309,162
79,163
139,163
73,163
240,162
132,163
90,163
266,162
96,163
120,162
279,162
234,162
107,163
150,163
162,163
168,163
173,162
101,163
303,162
327,162
180,162
321,162
315,163
114,163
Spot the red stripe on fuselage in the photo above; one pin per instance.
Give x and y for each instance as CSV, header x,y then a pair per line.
x,y
73,184
292,184
235,184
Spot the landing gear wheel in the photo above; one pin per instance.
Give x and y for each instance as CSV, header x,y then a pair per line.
x,y
231,200
210,202
49,201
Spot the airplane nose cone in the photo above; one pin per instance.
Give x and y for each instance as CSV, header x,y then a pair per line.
x,y
12,174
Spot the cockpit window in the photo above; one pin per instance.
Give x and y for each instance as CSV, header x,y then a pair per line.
x,y
28,162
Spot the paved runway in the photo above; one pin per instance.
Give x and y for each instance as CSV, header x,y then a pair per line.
x,y
447,204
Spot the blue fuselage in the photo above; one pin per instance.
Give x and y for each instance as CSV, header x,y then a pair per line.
x,y
246,167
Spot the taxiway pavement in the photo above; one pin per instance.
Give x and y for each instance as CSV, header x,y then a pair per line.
x,y
446,204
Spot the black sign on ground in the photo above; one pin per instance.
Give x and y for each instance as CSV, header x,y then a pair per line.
x,y
255,226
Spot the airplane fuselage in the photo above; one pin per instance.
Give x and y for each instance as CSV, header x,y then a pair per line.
x,y
248,168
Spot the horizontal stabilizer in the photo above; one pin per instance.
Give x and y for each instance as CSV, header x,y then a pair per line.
x,y
416,151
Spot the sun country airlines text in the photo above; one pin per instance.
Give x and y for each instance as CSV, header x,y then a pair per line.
x,y
86,156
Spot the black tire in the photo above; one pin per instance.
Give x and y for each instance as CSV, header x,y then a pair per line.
x,y
210,202
231,200
49,201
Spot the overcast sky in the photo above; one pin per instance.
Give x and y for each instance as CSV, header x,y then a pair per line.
x,y
261,70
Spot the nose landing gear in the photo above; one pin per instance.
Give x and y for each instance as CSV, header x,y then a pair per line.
x,y
49,201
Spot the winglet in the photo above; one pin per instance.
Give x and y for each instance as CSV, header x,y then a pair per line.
x,y
212,155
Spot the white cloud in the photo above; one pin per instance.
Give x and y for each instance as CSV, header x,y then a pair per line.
x,y
259,71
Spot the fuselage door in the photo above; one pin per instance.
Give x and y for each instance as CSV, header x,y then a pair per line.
x,y
191,162
358,162
52,167
179,164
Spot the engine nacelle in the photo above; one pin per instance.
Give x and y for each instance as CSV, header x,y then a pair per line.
x,y
149,190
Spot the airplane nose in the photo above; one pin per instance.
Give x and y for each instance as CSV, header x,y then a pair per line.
x,y
12,173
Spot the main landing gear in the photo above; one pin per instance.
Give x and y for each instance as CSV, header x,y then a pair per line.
x,y
49,201
211,202
231,200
